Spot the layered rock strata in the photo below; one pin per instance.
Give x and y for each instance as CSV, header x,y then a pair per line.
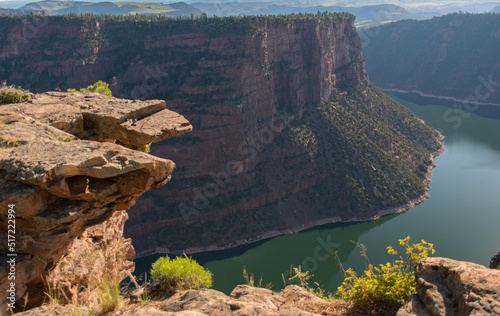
x,y
66,183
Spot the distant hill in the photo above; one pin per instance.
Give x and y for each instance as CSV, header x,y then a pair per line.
x,y
17,11
496,9
116,8
365,16
453,56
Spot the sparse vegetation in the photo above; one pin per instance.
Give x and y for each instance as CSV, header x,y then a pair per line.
x,y
9,143
144,148
99,87
250,280
108,295
305,136
11,94
181,273
389,284
54,297
303,277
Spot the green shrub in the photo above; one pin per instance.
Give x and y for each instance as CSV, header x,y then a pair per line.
x,y
100,87
13,95
389,284
144,148
181,273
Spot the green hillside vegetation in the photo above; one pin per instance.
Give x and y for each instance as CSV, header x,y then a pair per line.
x,y
383,147
51,5
444,56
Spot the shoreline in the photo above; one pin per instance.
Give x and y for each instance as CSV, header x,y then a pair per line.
x,y
435,96
316,223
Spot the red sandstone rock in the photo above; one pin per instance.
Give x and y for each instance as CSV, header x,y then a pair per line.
x,y
69,195
449,287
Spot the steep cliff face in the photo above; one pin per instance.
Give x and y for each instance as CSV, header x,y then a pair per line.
x,y
452,56
63,198
271,152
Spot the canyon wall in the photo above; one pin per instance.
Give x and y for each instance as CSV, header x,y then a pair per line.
x,y
287,131
454,56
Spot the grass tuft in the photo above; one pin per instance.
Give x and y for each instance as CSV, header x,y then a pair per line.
x,y
108,295
9,143
11,94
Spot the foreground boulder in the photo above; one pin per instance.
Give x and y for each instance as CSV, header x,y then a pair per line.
x,y
449,287
67,182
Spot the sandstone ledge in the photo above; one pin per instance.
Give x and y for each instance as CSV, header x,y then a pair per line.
x,y
450,287
70,181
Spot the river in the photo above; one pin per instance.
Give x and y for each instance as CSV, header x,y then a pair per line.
x,y
461,218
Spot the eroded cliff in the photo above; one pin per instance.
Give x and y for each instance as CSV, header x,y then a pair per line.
x,y
288,133
65,185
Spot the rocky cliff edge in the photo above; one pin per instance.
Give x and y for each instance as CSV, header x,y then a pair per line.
x,y
66,181
444,287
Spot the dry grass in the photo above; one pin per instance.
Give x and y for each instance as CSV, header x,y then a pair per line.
x,y
11,94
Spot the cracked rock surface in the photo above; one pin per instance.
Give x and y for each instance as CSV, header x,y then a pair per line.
x,y
70,180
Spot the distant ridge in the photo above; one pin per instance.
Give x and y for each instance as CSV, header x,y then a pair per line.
x,y
376,13
455,55
366,16
115,8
